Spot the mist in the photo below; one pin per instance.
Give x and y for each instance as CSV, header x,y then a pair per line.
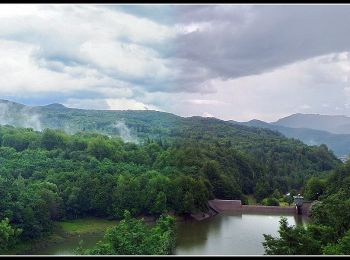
x,y
24,117
125,133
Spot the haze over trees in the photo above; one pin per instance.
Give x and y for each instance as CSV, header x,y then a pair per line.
x,y
135,126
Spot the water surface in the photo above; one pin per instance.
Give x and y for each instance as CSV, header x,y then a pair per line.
x,y
224,234
65,246
229,234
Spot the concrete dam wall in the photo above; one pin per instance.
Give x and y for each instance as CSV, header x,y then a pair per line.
x,y
217,206
236,205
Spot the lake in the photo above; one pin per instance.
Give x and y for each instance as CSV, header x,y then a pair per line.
x,y
224,234
230,234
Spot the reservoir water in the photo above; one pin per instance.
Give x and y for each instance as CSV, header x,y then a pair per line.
x,y
224,234
230,234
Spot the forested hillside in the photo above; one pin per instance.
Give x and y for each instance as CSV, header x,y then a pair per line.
x,y
176,165
50,175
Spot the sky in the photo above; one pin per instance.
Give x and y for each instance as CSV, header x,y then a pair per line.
x,y
233,62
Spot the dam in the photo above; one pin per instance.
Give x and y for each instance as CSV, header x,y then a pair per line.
x,y
217,206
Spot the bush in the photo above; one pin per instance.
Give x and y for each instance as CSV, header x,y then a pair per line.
x,y
270,202
133,237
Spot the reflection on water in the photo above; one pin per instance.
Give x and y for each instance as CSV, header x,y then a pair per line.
x,y
229,234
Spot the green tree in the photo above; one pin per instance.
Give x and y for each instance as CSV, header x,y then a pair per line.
x,y
340,248
8,235
160,204
133,237
162,240
333,211
100,148
52,139
188,203
270,202
314,188
291,241
262,190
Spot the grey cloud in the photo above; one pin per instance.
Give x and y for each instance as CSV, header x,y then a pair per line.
x,y
241,40
248,40
199,13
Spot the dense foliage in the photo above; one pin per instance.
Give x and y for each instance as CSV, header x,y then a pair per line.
x,y
329,232
8,234
178,165
134,237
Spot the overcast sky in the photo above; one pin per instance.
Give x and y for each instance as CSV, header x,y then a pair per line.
x,y
235,62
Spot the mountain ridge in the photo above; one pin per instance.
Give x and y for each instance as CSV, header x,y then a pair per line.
x,y
339,143
337,124
152,123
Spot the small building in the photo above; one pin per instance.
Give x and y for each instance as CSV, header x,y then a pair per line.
x,y
298,201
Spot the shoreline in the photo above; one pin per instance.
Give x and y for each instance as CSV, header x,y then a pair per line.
x,y
91,225
66,229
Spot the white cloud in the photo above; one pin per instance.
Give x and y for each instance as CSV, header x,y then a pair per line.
x,y
124,60
206,114
204,101
99,104
71,47
109,104
124,104
103,58
305,107
193,27
22,75
313,86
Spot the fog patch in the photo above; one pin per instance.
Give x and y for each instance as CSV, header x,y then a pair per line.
x,y
19,117
125,133
4,114
30,119
67,128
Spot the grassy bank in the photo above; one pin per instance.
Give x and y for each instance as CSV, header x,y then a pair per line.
x,y
62,230
84,225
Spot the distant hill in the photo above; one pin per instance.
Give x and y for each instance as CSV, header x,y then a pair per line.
x,y
72,120
333,124
339,143
143,124
138,125
261,154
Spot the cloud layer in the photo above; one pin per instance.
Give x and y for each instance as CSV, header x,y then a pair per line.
x,y
229,61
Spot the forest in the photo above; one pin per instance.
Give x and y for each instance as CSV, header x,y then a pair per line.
x,y
50,175
329,232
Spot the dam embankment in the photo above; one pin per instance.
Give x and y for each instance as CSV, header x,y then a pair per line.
x,y
217,206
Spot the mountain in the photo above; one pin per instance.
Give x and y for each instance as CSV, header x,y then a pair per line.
x,y
262,157
55,105
339,143
141,123
138,125
334,124
72,120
